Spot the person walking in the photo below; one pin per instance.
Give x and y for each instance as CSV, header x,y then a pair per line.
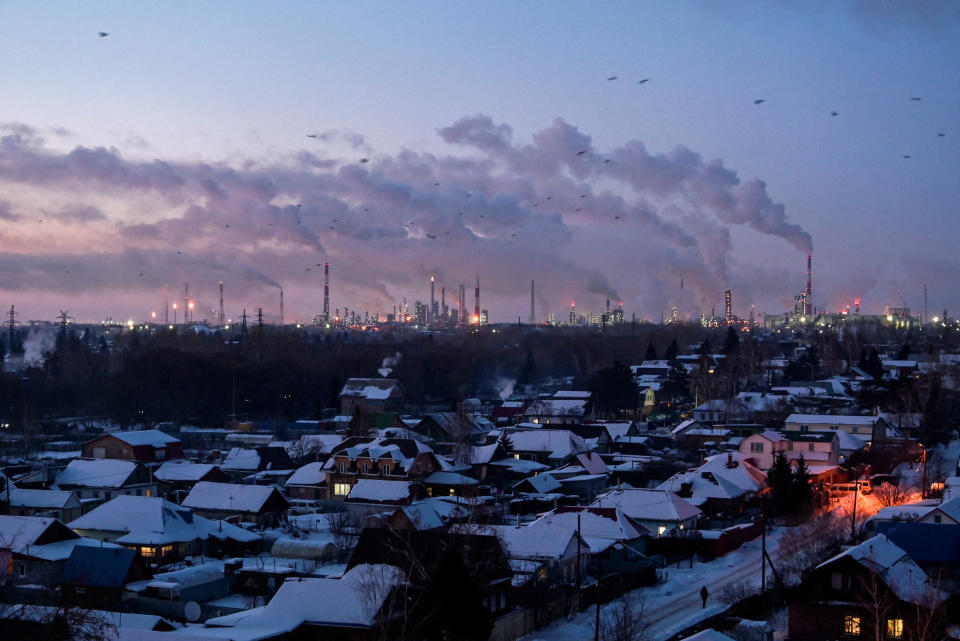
x,y
703,595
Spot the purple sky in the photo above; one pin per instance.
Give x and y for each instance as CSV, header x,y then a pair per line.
x,y
448,141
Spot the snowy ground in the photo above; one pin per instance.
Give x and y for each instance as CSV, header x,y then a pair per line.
x,y
675,604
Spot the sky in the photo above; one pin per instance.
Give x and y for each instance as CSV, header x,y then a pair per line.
x,y
250,142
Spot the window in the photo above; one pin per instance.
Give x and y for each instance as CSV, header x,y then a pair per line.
x,y
165,550
139,491
757,447
419,468
343,467
452,492
810,447
894,628
21,569
341,489
661,529
363,468
106,496
148,551
937,518
804,428
851,625
386,469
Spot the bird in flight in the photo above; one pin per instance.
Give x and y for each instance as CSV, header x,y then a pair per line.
x,y
941,135
915,99
581,152
102,34
643,82
311,135
363,160
612,78
759,100
606,161
431,236
616,217
907,156
834,113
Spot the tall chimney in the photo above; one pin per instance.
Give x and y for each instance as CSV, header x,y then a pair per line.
x,y
326,292
221,303
432,313
443,303
533,311
462,305
809,310
476,299
281,305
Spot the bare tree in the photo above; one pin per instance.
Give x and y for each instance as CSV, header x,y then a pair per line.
x,y
623,621
888,495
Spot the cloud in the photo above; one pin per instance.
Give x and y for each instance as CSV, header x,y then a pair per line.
x,y
510,210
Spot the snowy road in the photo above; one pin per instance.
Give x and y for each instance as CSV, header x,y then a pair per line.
x,y
675,604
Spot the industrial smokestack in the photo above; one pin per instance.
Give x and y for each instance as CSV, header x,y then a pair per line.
x,y
925,317
281,305
476,300
326,292
728,306
462,305
533,311
221,302
809,306
443,304
432,313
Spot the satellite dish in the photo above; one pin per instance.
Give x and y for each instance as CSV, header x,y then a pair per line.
x,y
192,611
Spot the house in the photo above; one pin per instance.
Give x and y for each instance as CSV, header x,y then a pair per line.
x,y
508,412
259,504
385,492
397,459
480,458
723,484
721,411
96,576
453,427
371,395
816,448
34,549
104,479
554,548
270,461
352,607
656,510
144,446
58,504
557,410
616,542
941,562
313,447
178,477
544,445
872,428
308,483
450,484
762,448
162,532
873,583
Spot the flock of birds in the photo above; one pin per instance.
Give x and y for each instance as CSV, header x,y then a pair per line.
x,y
580,153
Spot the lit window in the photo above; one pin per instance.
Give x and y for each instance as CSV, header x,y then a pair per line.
x,y
516,456
148,551
894,628
851,625
341,489
661,529
165,550
452,491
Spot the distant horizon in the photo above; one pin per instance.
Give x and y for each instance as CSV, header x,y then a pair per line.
x,y
654,154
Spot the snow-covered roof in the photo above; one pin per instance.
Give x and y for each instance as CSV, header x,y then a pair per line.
x,y
831,419
542,483
229,497
556,407
546,541
20,532
40,499
600,527
309,474
592,463
703,487
558,444
241,459
379,490
897,570
378,389
708,635
478,454
173,471
648,505
736,468
450,478
311,444
521,466
424,516
351,601
153,520
112,473
572,394
155,438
